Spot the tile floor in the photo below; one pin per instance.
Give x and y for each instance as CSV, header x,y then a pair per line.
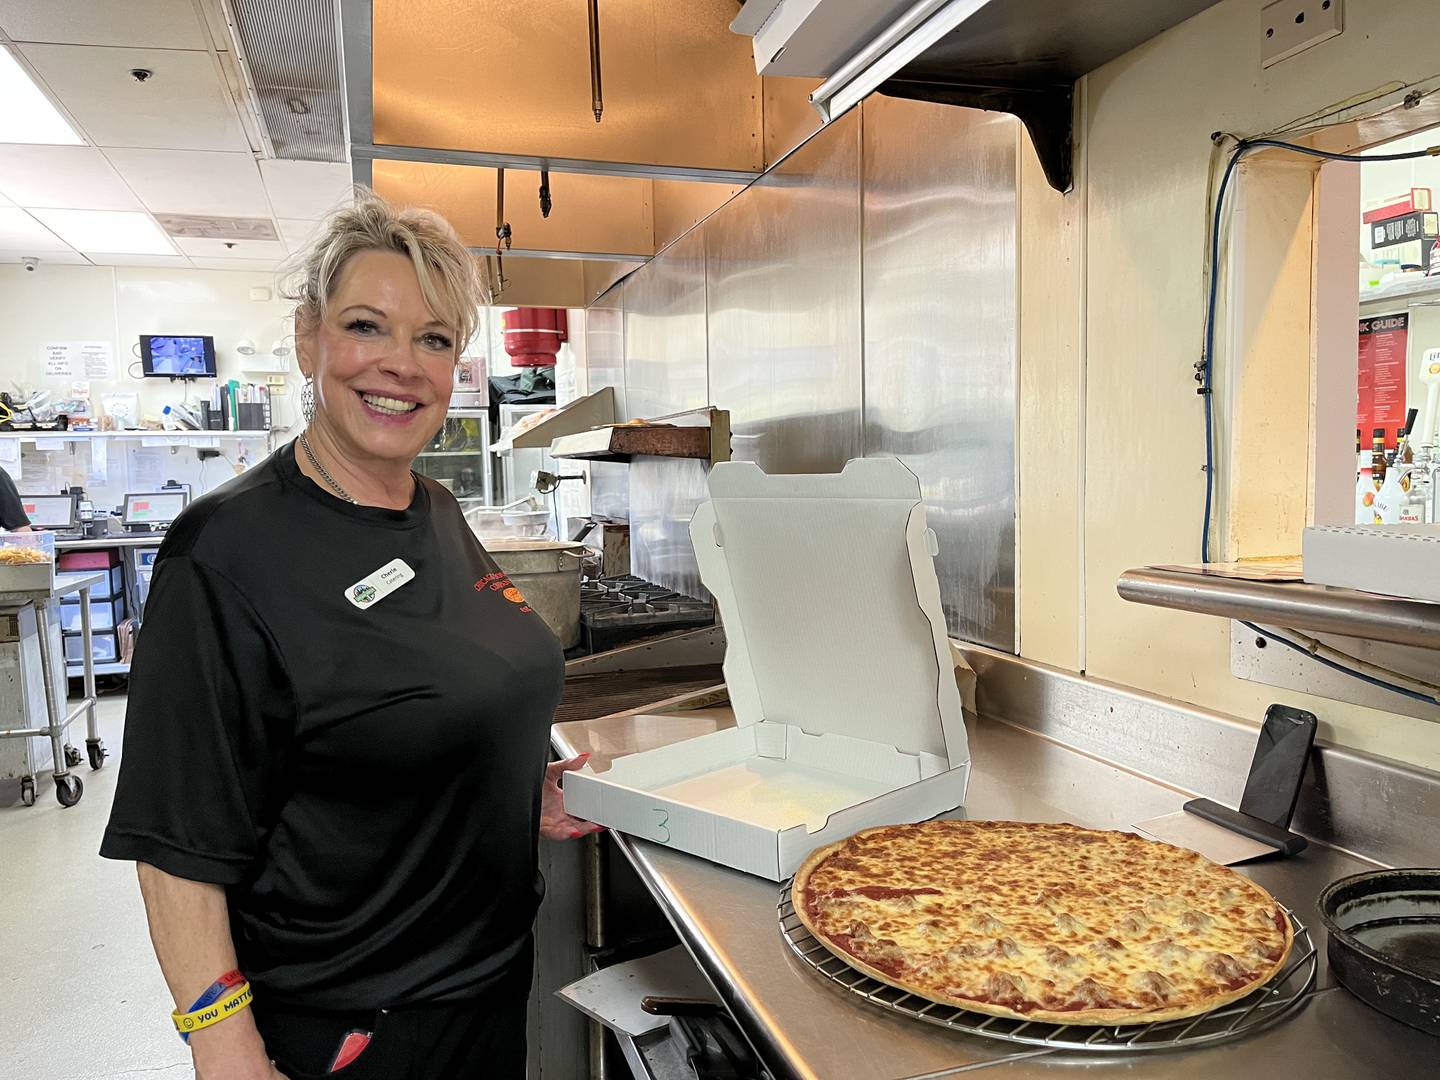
x,y
81,997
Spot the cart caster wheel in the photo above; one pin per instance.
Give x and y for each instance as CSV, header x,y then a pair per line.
x,y
97,752
72,757
68,790
27,790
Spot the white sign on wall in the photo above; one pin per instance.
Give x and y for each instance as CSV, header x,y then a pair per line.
x,y
78,360
58,359
97,360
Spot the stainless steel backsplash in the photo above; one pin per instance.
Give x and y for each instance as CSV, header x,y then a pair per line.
x,y
857,299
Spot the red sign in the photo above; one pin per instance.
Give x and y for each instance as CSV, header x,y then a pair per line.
x,y
1381,397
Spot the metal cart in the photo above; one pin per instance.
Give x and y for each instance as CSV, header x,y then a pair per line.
x,y
68,787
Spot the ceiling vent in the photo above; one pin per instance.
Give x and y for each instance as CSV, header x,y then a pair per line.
x,y
204,227
291,59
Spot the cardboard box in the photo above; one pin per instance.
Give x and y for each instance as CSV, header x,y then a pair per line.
x,y
1395,560
838,667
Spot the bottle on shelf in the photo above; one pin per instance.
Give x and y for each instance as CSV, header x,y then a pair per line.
x,y
1364,488
1379,462
1391,497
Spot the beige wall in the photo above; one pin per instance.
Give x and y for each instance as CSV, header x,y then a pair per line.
x,y
1106,353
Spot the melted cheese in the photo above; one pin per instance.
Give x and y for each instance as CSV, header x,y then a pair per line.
x,y
1044,917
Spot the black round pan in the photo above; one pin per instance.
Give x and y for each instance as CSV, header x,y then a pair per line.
x,y
1385,942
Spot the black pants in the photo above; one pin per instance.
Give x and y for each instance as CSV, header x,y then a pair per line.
x,y
481,1038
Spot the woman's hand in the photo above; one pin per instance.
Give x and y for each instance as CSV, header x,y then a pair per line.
x,y
555,823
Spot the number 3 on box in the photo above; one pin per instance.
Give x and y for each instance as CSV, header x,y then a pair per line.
x,y
663,823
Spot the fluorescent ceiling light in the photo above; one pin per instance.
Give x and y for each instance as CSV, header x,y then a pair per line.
x,y
107,232
28,115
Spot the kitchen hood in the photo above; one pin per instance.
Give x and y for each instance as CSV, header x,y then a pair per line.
x,y
1015,56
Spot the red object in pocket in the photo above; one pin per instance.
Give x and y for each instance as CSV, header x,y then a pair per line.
x,y
351,1047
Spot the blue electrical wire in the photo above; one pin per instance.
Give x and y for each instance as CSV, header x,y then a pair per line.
x,y
1372,680
1207,367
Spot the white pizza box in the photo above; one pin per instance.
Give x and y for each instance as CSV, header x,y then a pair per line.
x,y
838,667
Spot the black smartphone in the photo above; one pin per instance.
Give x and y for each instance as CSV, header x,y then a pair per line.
x,y
1273,786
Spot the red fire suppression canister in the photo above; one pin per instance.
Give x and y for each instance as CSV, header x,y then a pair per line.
x,y
533,336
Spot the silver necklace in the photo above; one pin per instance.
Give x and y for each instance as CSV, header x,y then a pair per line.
x,y
324,475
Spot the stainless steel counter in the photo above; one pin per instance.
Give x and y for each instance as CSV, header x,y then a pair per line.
x,y
803,1027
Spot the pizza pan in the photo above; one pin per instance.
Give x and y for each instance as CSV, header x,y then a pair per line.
x,y
1385,942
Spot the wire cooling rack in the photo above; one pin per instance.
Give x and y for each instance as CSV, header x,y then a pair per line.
x,y
1268,1004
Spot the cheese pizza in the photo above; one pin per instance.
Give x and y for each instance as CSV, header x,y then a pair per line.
x,y
1043,922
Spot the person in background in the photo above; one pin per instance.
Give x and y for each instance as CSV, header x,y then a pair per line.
x,y
335,775
12,511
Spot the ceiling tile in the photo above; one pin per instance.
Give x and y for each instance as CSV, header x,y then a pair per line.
x,y
56,258
68,176
242,249
184,105
306,189
102,259
120,232
202,263
193,181
297,233
159,24
21,232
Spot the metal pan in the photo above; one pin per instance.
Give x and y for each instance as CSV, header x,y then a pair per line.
x,y
1385,942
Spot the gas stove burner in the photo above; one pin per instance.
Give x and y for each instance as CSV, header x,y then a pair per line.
x,y
616,610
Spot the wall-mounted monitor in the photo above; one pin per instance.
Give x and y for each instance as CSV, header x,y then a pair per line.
x,y
164,356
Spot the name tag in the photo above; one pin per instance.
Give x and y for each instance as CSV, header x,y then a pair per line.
x,y
369,591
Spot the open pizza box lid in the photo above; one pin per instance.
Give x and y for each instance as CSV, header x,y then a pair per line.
x,y
838,667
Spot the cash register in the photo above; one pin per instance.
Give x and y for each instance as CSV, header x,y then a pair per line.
x,y
59,514
150,513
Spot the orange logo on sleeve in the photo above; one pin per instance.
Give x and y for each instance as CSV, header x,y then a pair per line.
x,y
514,595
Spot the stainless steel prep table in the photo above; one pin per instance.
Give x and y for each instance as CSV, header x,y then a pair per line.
x,y
59,716
803,1027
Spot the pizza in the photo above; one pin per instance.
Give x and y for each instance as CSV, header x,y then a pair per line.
x,y
1042,922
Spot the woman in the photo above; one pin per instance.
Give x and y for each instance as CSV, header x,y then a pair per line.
x,y
12,511
336,741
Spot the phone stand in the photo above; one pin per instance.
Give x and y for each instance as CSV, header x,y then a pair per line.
x,y
1281,839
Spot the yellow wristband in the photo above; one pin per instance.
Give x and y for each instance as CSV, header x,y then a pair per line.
x,y
236,1001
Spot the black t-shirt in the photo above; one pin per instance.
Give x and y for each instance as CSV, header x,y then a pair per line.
x,y
12,511
365,781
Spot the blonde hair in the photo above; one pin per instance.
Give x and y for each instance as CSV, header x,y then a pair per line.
x,y
446,269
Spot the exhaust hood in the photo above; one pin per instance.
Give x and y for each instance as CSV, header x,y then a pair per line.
x,y
1015,56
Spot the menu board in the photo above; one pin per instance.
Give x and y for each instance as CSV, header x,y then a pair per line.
x,y
1381,388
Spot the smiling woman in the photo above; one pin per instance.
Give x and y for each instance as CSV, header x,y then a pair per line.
x,y
314,648
385,300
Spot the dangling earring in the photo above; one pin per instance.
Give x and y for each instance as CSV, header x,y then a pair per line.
x,y
307,401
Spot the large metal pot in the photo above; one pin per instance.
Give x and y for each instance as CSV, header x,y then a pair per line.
x,y
548,573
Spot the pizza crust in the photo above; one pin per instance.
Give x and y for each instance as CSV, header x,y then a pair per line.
x,y
800,885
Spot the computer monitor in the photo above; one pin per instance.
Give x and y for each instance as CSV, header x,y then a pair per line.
x,y
177,356
147,510
58,512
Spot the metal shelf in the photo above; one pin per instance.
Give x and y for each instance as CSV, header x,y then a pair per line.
x,y
701,435
1296,604
170,438
1408,287
74,670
